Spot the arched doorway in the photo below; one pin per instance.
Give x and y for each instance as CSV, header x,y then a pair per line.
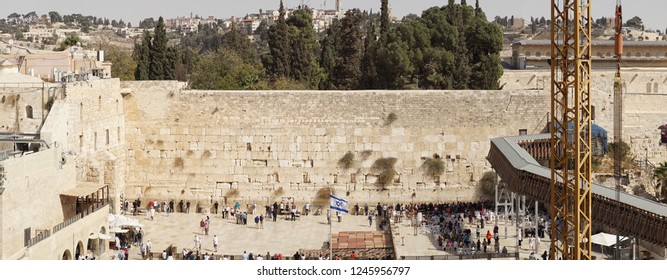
x,y
67,255
102,245
79,250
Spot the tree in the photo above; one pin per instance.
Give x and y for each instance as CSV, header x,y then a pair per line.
x,y
70,41
159,67
635,22
141,56
122,64
55,17
660,174
277,62
328,58
147,23
347,72
384,17
368,69
224,70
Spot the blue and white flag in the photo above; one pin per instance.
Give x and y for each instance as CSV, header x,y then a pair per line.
x,y
338,204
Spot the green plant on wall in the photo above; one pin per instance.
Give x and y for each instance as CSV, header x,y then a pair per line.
x,y
322,197
433,167
347,161
384,167
486,188
391,118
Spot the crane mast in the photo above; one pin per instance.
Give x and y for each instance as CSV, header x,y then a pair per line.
x,y
618,109
570,127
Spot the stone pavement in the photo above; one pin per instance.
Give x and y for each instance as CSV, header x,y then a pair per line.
x,y
287,237
425,244
283,236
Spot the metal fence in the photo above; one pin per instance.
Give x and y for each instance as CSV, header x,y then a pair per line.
x,y
482,256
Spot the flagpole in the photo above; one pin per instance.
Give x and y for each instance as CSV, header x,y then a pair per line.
x,y
330,226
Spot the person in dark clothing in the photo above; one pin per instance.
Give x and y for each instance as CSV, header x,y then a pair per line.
x,y
275,211
215,206
180,206
187,207
171,206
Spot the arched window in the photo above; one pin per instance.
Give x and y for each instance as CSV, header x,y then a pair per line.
x,y
639,54
599,54
648,54
527,54
28,112
628,54
648,88
608,54
548,54
538,54
655,87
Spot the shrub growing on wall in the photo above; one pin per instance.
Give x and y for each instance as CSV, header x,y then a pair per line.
x,y
347,161
384,167
433,166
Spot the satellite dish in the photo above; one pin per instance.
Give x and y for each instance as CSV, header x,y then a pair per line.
x,y
11,42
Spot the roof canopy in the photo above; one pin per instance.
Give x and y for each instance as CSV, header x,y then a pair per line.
x,y
606,239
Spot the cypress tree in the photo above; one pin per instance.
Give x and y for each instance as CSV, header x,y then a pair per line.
x,y
159,62
384,17
368,71
277,63
347,74
142,56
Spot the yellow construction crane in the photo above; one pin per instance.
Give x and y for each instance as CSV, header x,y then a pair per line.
x,y
618,109
570,127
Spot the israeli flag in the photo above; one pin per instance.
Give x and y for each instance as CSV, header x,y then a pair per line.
x,y
338,204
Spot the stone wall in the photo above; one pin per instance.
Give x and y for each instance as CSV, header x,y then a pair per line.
x,y
644,103
32,192
96,133
267,145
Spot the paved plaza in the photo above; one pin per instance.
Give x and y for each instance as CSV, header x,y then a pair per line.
x,y
308,232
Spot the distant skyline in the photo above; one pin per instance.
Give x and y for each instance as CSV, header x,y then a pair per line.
x,y
133,11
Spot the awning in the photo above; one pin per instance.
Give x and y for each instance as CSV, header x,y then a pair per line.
x,y
99,236
606,239
83,189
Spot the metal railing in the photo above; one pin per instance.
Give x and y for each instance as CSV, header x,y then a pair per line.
x,y
478,256
47,233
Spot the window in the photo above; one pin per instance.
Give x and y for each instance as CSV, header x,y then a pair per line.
x,y
80,142
118,134
95,141
99,102
648,88
28,112
538,54
648,55
107,131
527,54
523,131
81,111
655,88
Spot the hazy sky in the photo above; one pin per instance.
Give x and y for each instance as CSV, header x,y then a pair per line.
x,y
651,11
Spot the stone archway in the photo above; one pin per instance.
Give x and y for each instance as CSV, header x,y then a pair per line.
x,y
102,244
80,250
67,255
